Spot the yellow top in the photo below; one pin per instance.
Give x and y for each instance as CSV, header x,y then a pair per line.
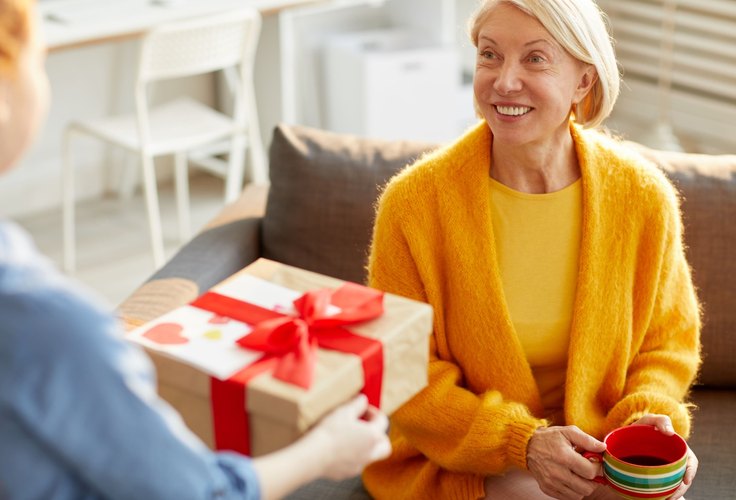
x,y
634,338
537,240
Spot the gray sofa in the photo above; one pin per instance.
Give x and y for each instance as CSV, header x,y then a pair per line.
x,y
317,214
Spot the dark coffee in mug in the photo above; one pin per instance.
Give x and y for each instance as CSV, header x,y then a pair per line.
x,y
646,460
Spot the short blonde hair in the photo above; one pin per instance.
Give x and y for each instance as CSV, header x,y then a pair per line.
x,y
579,26
15,29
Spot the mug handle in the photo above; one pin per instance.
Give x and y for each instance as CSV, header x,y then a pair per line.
x,y
596,457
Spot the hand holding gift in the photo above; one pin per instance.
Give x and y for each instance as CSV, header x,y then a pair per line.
x,y
339,446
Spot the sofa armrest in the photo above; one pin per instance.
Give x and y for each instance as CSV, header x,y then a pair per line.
x,y
209,258
215,254
229,242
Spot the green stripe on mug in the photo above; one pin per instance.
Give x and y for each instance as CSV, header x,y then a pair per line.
x,y
647,482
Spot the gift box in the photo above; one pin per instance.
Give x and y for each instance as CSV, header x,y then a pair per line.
x,y
256,361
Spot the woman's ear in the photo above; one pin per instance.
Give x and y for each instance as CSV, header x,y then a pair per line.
x,y
586,82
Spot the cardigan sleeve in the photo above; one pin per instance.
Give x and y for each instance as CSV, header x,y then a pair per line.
x,y
455,428
667,360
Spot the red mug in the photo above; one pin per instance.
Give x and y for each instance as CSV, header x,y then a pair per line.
x,y
642,462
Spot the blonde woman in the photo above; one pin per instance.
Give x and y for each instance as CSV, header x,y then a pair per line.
x,y
553,258
79,415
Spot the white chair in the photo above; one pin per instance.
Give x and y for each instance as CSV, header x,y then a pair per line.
x,y
225,41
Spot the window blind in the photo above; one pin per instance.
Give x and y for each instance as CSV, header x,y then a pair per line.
x,y
678,59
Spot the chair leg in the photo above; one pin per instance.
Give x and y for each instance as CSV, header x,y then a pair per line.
x,y
258,162
154,215
234,178
259,166
67,205
181,180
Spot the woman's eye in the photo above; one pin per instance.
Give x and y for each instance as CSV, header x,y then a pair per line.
x,y
487,54
536,59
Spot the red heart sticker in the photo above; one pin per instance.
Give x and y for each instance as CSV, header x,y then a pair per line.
x,y
166,333
216,319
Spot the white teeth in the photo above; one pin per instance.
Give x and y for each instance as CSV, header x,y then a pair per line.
x,y
513,110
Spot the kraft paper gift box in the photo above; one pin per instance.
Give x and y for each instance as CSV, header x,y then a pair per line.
x,y
195,350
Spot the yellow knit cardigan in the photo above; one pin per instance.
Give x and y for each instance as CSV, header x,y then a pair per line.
x,y
634,340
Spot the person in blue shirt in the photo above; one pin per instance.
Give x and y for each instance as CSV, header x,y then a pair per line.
x,y
79,413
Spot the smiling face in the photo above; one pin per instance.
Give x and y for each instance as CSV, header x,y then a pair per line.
x,y
525,83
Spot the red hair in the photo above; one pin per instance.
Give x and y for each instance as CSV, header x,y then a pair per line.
x,y
15,28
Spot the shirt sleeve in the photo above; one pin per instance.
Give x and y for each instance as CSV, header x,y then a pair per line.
x,y
88,397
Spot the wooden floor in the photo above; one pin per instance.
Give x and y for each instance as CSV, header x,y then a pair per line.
x,y
113,248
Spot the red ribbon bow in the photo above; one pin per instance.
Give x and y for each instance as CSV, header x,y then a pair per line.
x,y
290,344
294,340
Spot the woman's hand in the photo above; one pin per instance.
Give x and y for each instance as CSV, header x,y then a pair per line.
x,y
664,425
354,436
554,459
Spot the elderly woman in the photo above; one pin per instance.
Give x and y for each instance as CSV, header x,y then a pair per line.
x,y
553,257
79,415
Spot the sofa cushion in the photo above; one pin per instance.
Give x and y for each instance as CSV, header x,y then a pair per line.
x,y
707,184
714,442
322,195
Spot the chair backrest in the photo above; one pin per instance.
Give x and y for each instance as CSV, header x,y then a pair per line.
x,y
222,41
201,45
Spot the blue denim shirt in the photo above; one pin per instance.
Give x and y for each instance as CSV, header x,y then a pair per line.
x,y
79,414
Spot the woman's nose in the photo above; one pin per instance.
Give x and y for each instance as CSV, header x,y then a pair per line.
x,y
508,79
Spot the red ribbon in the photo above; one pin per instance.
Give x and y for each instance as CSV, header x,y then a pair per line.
x,y
289,344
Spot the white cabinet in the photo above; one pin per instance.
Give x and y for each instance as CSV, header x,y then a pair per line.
x,y
390,84
401,89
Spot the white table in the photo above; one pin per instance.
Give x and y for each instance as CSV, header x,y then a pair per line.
x,y
75,23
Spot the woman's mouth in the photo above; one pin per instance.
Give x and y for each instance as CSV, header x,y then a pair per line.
x,y
513,110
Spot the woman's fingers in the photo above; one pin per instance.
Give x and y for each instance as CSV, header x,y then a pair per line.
x,y
582,441
357,406
663,423
692,467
